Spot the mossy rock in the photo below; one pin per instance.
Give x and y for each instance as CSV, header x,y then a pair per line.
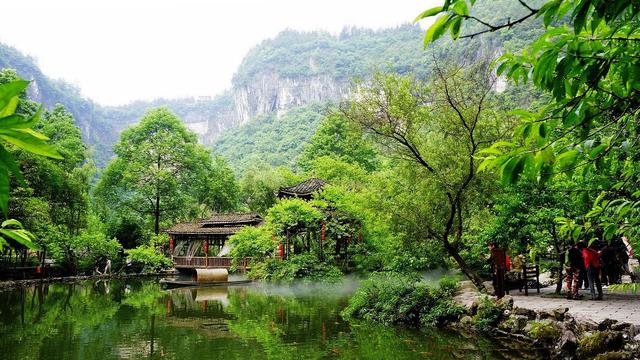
x,y
600,342
544,331
614,355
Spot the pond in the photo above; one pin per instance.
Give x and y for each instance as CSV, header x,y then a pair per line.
x,y
132,319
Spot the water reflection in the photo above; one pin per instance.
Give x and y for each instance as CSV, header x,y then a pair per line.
x,y
136,319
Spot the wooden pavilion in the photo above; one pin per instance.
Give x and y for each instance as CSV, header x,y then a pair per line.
x,y
203,244
303,190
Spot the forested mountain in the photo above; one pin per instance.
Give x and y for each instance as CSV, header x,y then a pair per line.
x,y
293,69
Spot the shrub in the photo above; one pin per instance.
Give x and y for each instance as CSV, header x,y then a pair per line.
x,y
488,315
253,242
403,299
305,266
149,258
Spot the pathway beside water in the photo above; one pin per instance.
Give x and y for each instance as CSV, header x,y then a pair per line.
x,y
624,307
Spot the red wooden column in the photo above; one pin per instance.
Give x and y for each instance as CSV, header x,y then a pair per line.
x,y
206,253
171,245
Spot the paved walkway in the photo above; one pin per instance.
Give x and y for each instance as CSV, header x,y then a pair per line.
x,y
624,307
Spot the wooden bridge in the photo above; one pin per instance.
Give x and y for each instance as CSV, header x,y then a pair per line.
x,y
202,262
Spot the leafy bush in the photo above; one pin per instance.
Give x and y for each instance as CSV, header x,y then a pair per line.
x,y
150,259
253,242
488,315
296,267
401,299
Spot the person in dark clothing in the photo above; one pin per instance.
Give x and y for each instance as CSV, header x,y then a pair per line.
x,y
498,262
609,265
575,264
592,264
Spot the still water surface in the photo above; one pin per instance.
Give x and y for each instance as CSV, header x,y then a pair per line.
x,y
134,319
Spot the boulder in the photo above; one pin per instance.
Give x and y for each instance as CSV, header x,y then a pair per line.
x,y
568,342
626,327
587,326
546,315
528,313
600,342
559,313
606,324
506,303
466,320
473,309
614,355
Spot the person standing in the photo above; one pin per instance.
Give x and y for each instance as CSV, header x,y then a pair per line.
x,y
575,266
498,261
592,264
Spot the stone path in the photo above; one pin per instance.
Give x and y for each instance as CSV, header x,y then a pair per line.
x,y
618,306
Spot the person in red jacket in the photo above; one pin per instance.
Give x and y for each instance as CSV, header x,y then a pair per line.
x,y
592,263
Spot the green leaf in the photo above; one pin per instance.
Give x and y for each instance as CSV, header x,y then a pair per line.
x,y
23,237
436,29
12,222
4,189
8,93
455,27
428,13
460,7
7,160
29,141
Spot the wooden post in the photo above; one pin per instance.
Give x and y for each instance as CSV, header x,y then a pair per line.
x,y
206,253
526,281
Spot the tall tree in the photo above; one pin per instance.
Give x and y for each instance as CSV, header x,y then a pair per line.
x,y
340,139
156,171
587,59
437,129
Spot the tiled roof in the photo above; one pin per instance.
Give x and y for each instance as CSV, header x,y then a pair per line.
x,y
195,228
306,187
232,218
218,224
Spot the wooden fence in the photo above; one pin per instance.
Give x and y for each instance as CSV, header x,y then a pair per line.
x,y
208,262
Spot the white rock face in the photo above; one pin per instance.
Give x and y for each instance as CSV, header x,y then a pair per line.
x,y
269,93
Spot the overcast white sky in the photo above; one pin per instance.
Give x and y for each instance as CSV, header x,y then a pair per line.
x,y
118,51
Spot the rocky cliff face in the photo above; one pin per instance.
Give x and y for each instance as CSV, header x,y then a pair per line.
x,y
269,93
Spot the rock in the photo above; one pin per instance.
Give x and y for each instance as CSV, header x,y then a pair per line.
x,y
528,313
570,322
606,324
520,322
466,320
636,338
626,327
473,309
587,326
559,313
614,355
600,342
546,315
568,342
506,303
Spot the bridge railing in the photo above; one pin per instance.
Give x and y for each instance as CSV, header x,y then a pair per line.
x,y
208,262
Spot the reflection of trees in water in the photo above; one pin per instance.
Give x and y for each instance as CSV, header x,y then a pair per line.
x,y
136,319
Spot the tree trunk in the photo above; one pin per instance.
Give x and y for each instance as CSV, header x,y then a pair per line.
x,y
156,214
466,269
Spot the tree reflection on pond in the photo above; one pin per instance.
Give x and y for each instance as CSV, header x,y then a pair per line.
x,y
130,319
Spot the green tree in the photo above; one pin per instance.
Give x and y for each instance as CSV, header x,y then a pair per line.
x,y
437,130
158,171
587,60
340,139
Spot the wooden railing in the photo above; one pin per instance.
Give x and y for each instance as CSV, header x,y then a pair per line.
x,y
210,262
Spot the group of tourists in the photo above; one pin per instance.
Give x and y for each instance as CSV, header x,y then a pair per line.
x,y
594,265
